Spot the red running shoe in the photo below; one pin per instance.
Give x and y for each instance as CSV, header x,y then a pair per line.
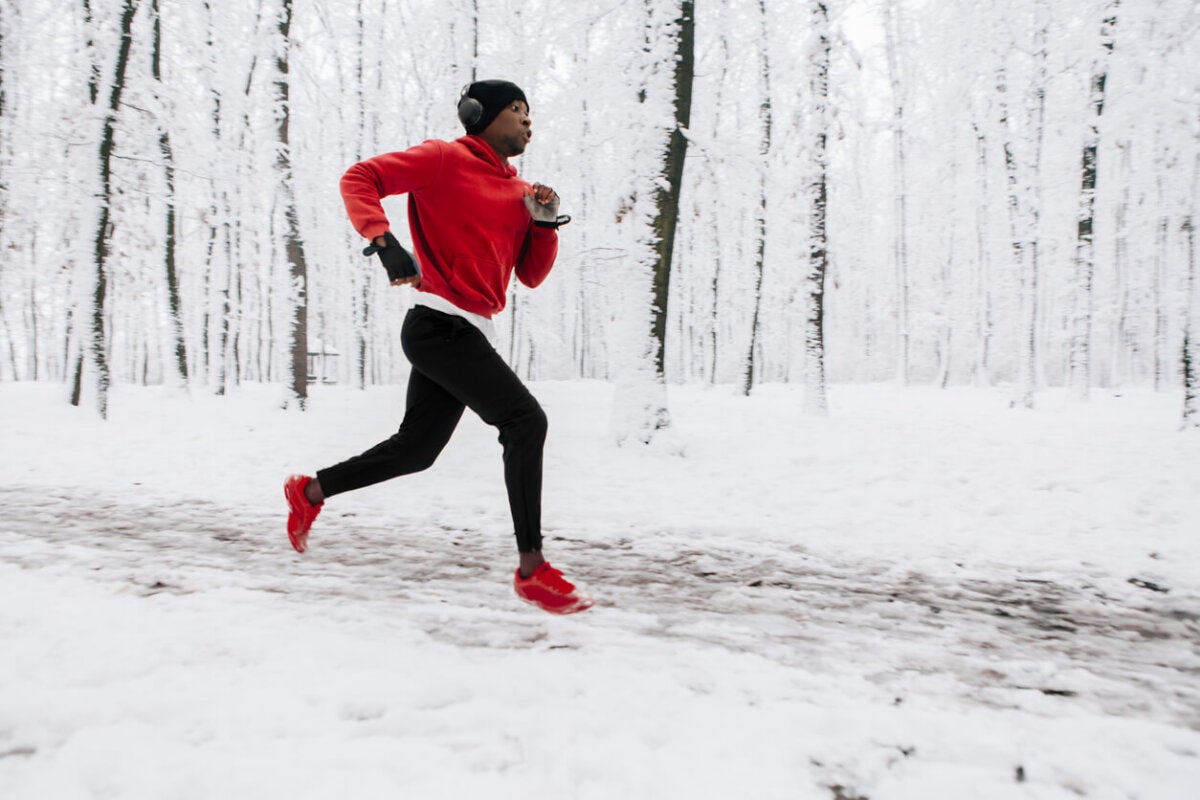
x,y
547,589
301,514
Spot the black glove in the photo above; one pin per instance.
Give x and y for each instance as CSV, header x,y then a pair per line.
x,y
396,260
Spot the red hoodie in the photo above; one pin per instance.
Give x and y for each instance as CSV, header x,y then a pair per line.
x,y
469,225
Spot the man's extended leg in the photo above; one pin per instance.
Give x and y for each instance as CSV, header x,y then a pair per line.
x,y
461,360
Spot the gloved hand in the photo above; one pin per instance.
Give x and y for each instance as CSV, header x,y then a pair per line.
x,y
545,214
396,260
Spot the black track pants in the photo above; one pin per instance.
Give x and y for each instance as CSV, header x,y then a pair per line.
x,y
454,366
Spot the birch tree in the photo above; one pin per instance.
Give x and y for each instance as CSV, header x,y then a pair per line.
x,y
763,166
286,194
983,297
6,127
1030,264
1085,264
815,401
1023,198
1161,238
1191,336
900,192
93,343
169,238
360,285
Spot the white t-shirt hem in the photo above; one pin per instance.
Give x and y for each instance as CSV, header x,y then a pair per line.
x,y
438,303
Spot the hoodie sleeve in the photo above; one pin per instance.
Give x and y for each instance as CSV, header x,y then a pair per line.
x,y
368,182
537,258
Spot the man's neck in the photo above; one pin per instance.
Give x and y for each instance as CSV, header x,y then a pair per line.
x,y
503,158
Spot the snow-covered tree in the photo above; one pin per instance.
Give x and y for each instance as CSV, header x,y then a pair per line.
x,y
953,189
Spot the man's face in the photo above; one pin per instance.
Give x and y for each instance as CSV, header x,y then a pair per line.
x,y
510,131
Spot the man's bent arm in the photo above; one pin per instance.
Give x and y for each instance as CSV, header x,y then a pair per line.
x,y
368,182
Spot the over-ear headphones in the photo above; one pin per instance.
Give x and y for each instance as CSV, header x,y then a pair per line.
x,y
470,110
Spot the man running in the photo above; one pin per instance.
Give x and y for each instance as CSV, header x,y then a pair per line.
x,y
473,223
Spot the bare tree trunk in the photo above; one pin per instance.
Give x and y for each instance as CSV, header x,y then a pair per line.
x,y
640,410
1191,336
5,213
97,345
10,341
1124,345
760,222
946,337
667,195
5,126
469,9
3,97
164,146
900,246
94,73
1024,215
1191,333
219,213
815,400
221,350
474,39
1085,265
293,244
718,221
76,333
1027,380
983,299
360,285
1024,379
1160,306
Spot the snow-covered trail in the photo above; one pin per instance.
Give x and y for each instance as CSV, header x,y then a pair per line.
x,y
1114,647
926,596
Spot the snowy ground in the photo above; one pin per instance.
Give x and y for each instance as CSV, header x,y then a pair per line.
x,y
926,596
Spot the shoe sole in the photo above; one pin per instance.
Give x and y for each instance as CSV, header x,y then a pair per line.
x,y
583,604
299,541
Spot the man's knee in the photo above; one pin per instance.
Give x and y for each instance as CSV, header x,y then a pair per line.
x,y
414,451
528,425
538,422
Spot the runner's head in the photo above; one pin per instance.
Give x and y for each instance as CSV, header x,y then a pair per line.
x,y
482,101
498,112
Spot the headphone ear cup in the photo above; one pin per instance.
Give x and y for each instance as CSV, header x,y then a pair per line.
x,y
470,111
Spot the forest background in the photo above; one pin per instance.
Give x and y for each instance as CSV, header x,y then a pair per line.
x,y
990,193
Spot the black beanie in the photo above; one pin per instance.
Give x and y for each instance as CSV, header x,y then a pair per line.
x,y
493,95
